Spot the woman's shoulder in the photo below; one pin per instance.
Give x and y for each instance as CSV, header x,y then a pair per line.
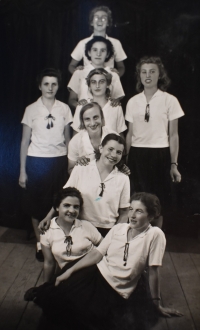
x,y
156,231
34,105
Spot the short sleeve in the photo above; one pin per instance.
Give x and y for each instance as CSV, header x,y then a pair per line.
x,y
78,51
120,54
73,148
174,109
157,248
129,111
117,90
27,118
76,121
74,178
104,245
75,81
121,126
125,194
94,234
44,239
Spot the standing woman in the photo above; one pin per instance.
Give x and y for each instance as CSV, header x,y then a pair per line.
x,y
152,141
43,161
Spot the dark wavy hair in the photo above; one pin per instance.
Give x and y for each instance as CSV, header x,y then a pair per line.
x,y
67,192
101,8
90,106
163,81
150,201
101,71
109,46
49,72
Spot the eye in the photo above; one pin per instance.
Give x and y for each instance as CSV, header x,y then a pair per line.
x,y
96,117
66,205
130,208
139,211
119,152
54,84
152,71
77,207
102,81
93,82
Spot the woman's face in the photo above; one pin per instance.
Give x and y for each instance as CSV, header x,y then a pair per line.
x,y
149,75
112,152
138,216
49,87
100,21
98,85
92,120
98,54
68,209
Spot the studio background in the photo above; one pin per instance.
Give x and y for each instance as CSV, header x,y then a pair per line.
x,y
42,33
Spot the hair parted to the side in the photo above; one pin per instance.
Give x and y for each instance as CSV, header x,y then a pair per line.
x,y
115,137
87,106
67,192
150,201
49,72
163,81
109,46
101,8
103,72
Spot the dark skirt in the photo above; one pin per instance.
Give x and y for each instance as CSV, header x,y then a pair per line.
x,y
46,176
150,172
86,301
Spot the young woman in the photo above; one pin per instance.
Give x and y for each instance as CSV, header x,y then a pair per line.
x,y
100,19
97,50
103,290
45,137
106,191
98,81
67,239
152,141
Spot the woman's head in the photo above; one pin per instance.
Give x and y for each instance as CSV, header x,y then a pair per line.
x,y
111,149
143,69
49,72
91,117
150,201
100,18
99,50
67,192
98,81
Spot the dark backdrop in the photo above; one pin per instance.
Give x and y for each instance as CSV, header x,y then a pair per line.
x,y
42,33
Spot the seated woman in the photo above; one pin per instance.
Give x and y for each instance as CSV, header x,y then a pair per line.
x,y
67,239
97,50
99,81
106,191
103,290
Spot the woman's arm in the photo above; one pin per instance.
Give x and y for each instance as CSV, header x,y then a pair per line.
x,y
26,136
154,284
45,223
129,138
174,148
116,102
49,263
90,259
73,65
67,136
73,99
123,215
120,68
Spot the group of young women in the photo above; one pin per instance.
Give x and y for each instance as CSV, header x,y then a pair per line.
x,y
89,281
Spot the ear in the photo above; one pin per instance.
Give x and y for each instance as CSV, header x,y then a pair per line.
x,y
107,55
100,149
39,87
57,209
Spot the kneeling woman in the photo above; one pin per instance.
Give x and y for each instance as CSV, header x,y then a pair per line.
x,y
103,290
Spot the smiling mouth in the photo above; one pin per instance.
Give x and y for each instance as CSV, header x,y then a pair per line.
x,y
148,80
113,160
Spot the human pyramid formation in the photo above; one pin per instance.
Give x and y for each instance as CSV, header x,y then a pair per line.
x,y
92,281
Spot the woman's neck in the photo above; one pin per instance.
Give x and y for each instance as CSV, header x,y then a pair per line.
x,y
101,33
104,170
98,66
65,226
101,100
48,102
133,232
149,92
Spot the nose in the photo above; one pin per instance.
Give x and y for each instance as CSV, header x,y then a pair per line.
x,y
113,153
148,74
92,122
99,52
97,84
50,87
71,209
132,213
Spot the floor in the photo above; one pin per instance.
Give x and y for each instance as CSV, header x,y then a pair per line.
x,y
180,282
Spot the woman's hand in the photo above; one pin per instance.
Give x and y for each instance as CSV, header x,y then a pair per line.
x,y
175,174
125,169
168,312
63,277
80,67
82,102
22,179
44,225
83,161
114,70
115,102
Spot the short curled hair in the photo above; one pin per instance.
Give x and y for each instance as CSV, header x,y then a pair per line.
x,y
103,72
150,201
87,106
109,46
163,81
67,192
101,8
49,72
